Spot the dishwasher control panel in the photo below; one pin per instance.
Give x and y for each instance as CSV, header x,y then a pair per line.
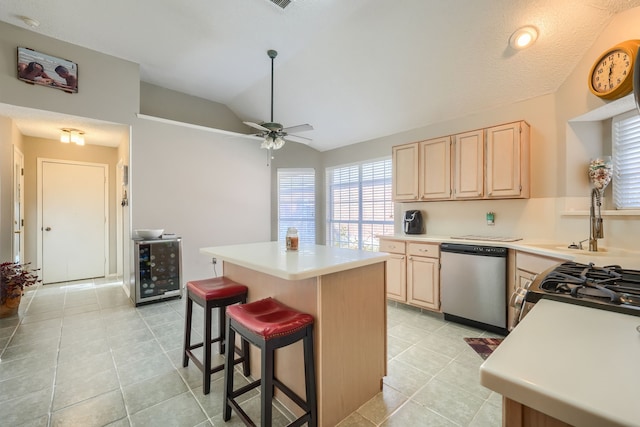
x,y
473,249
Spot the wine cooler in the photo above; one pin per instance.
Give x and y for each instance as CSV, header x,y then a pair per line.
x,y
158,269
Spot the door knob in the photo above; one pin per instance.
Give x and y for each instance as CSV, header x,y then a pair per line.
x,y
47,229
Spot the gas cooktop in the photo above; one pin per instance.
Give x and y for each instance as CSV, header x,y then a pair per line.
x,y
610,287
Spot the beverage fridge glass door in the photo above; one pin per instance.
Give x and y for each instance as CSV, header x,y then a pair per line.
x,y
158,269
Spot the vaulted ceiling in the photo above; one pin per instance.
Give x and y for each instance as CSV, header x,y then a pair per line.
x,y
354,69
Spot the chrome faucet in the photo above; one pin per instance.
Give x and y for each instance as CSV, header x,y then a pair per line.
x,y
596,232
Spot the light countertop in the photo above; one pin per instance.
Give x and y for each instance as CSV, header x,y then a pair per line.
x,y
577,364
605,256
308,261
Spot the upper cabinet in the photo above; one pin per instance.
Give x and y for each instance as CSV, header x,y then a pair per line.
x,y
469,165
405,172
435,169
491,163
508,161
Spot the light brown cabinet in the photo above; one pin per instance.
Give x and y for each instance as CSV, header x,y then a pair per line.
x,y
423,275
435,169
413,272
396,269
491,163
515,414
405,172
527,266
469,165
508,161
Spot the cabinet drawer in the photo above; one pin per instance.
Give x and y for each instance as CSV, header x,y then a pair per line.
x,y
431,250
392,246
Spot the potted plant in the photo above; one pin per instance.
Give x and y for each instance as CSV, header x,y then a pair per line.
x,y
14,278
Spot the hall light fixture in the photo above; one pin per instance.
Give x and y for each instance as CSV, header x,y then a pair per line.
x,y
523,37
68,135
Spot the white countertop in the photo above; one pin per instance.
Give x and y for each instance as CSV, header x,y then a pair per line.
x,y
577,364
605,256
308,261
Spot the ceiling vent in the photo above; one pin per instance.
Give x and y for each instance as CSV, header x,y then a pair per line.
x,y
281,3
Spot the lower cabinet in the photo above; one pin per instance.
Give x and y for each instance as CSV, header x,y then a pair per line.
x,y
396,269
413,272
527,267
423,282
515,414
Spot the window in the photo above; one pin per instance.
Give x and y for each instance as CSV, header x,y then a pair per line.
x,y
626,160
297,203
359,204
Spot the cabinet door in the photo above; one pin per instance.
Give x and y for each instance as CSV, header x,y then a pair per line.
x,y
423,282
523,280
506,153
435,169
396,278
469,165
405,172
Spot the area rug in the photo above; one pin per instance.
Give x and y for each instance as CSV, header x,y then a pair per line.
x,y
484,346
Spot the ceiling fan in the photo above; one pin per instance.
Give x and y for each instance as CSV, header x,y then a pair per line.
x,y
272,132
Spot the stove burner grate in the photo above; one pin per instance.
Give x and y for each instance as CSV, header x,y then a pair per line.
x,y
609,284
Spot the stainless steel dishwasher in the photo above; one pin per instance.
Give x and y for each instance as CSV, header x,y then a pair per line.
x,y
473,285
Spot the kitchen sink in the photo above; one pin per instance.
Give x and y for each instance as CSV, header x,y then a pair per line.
x,y
566,250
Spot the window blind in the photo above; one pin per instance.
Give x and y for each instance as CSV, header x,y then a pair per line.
x,y
626,160
359,204
297,203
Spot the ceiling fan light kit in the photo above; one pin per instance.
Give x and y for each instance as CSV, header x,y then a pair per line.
x,y
272,132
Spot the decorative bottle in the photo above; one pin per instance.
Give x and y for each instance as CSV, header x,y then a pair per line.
x,y
292,239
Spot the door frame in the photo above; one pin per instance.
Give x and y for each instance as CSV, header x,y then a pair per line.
x,y
18,161
39,225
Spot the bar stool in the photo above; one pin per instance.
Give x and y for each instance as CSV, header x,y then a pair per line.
x,y
218,292
269,325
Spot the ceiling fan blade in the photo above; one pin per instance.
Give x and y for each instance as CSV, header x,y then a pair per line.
x,y
299,128
256,126
298,137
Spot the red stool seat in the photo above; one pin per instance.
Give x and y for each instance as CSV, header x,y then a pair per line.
x,y
215,288
270,325
217,292
269,318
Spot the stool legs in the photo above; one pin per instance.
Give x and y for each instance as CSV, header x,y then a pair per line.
x,y
207,341
268,380
310,378
187,332
266,386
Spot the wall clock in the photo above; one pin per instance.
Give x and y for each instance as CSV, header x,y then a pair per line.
x,y
611,75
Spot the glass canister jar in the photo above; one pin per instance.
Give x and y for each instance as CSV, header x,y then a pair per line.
x,y
292,239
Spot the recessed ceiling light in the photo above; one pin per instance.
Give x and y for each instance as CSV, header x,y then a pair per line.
x,y
30,21
523,37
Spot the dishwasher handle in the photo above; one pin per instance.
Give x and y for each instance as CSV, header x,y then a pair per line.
x,y
493,251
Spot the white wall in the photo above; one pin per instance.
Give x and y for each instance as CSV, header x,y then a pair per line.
x,y
206,187
559,157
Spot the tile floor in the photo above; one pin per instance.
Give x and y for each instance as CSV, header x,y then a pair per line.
x,y
79,354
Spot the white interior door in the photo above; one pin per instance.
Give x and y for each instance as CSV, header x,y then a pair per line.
x,y
74,220
18,206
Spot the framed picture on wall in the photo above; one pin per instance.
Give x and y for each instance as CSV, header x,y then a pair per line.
x,y
46,70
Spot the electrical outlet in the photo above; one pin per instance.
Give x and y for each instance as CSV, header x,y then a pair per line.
x,y
214,261
491,218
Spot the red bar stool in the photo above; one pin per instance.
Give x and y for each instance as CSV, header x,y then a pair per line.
x,y
218,292
269,325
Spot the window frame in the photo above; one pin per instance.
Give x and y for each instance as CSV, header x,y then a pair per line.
x,y
307,234
626,168
372,243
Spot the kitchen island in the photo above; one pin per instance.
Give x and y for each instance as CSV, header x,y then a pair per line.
x,y
566,364
345,291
